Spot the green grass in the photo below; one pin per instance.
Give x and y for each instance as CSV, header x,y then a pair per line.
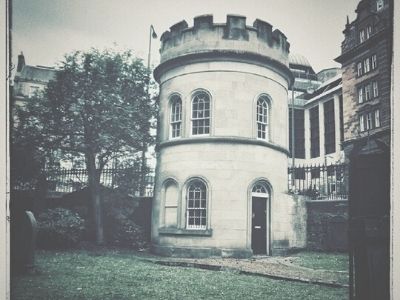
x,y
80,275
321,260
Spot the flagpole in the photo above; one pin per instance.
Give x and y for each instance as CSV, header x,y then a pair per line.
x,y
152,35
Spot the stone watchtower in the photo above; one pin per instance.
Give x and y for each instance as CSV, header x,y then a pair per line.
x,y
221,177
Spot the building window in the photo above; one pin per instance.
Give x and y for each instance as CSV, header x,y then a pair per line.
x,y
367,66
360,95
299,147
329,122
361,120
369,31
377,121
379,5
362,36
368,92
359,69
176,116
201,114
375,88
341,118
262,118
314,131
369,120
373,62
196,205
33,91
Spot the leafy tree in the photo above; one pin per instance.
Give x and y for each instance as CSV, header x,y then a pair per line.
x,y
97,107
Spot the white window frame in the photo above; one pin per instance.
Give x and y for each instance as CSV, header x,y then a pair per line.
x,y
368,120
361,94
200,116
377,118
262,118
361,121
175,116
369,31
359,69
199,197
379,5
362,36
373,62
375,89
367,66
368,92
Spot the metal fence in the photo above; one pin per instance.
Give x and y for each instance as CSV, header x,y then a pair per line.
x,y
319,181
70,180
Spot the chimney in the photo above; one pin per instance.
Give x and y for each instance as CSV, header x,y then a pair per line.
x,y
21,62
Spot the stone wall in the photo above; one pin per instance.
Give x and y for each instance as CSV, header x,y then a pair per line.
x,y
327,225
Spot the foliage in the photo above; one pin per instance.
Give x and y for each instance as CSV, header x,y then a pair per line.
x,y
120,226
59,228
111,275
97,107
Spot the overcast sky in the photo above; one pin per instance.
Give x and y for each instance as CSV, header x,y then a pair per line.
x,y
47,29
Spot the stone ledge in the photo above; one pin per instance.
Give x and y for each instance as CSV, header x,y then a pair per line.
x,y
183,231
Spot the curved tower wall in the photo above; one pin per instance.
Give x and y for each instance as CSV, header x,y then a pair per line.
x,y
234,65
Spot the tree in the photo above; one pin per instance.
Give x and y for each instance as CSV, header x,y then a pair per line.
x,y
97,107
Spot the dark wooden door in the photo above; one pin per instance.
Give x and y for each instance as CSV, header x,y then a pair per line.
x,y
259,226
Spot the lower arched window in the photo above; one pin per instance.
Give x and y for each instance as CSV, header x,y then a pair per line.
x,y
196,212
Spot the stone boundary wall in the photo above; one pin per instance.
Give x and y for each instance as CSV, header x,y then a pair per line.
x,y
327,222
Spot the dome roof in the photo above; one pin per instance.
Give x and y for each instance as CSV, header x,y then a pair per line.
x,y
298,59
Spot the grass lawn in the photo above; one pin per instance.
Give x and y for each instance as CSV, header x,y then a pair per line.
x,y
322,260
112,275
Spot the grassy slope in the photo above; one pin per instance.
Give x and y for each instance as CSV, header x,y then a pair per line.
x,y
320,260
78,275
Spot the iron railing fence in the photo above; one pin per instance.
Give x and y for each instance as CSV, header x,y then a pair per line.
x,y
319,181
62,181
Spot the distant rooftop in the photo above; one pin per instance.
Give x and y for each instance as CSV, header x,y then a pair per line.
x,y
298,59
37,73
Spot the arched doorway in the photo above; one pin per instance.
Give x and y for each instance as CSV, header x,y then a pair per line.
x,y
260,229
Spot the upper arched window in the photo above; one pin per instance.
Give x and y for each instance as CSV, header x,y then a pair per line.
x,y
262,117
196,213
201,113
176,116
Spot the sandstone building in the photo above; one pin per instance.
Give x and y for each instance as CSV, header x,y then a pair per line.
x,y
221,177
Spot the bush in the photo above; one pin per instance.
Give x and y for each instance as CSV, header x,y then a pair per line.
x,y
120,228
59,228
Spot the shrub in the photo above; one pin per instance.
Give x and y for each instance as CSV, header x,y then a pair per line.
x,y
59,228
120,227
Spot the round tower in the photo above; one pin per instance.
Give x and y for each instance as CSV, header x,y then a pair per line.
x,y
222,153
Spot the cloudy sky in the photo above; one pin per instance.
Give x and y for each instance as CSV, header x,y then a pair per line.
x,y
47,29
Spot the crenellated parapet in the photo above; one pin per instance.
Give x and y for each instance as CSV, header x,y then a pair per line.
x,y
258,42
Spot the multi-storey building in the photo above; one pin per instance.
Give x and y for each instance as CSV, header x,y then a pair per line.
x,y
30,79
366,69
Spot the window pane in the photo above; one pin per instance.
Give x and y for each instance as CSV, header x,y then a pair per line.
x,y
200,114
262,117
196,207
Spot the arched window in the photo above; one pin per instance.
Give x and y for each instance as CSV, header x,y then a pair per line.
x,y
201,114
176,116
262,118
196,212
260,190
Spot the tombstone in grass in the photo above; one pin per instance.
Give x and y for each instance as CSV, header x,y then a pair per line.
x,y
23,250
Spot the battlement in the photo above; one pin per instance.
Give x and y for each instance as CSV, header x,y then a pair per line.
x,y
234,36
